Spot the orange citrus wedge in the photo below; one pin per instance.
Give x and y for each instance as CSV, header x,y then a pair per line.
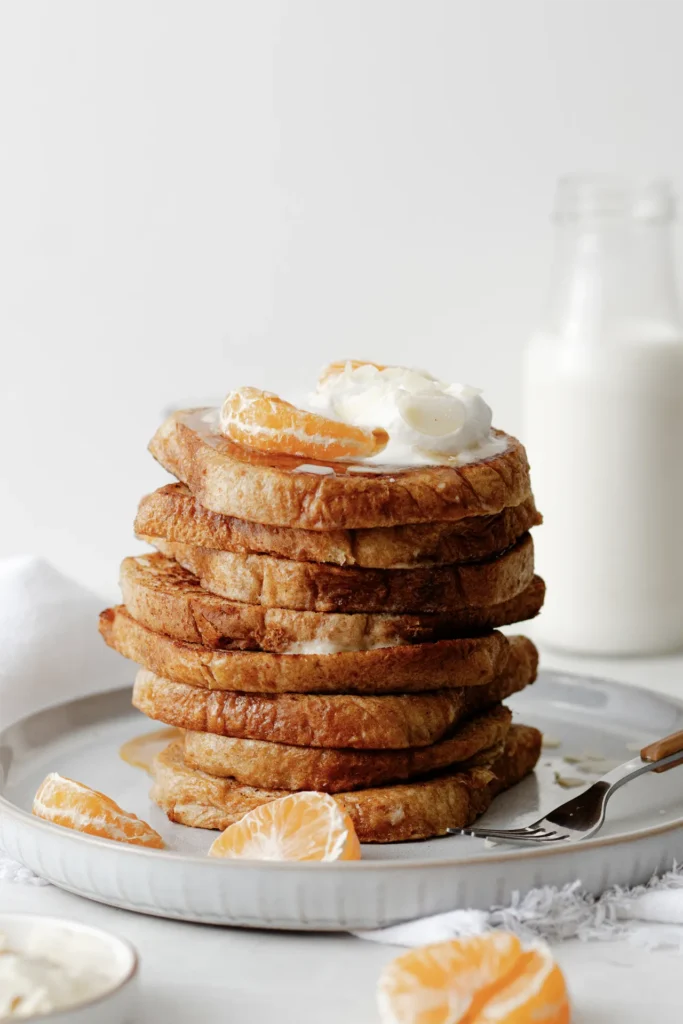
x,y
335,369
73,805
301,826
258,419
487,979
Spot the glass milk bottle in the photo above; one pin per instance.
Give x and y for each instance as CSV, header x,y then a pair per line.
x,y
604,423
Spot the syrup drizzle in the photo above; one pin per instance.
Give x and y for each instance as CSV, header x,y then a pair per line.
x,y
141,750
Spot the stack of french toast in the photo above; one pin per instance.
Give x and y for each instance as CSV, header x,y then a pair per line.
x,y
311,622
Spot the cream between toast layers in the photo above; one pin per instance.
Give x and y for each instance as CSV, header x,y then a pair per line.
x,y
168,599
466,661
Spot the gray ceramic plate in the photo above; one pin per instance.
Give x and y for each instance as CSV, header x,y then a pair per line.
x,y
596,722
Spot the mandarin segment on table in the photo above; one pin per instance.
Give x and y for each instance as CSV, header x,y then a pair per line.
x,y
475,980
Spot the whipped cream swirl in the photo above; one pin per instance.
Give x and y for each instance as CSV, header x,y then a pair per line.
x,y
428,420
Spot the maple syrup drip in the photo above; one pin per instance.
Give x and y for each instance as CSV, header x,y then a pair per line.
x,y
141,750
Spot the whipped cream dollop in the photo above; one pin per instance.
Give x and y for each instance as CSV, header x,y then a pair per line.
x,y
428,420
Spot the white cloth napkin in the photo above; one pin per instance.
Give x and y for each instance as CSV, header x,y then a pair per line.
x,y
649,915
50,650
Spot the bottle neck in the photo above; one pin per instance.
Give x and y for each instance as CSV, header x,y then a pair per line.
x,y
613,274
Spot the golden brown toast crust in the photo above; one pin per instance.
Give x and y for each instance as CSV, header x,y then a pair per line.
x,y
317,587
174,514
393,722
468,661
168,599
279,766
387,814
279,491
422,810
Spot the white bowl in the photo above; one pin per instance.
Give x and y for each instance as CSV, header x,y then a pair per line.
x,y
69,942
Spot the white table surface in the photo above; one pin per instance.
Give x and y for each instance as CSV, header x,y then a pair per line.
x,y
197,973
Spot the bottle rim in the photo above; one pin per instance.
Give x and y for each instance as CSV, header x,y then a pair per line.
x,y
591,197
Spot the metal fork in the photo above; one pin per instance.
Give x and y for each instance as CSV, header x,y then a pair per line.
x,y
582,816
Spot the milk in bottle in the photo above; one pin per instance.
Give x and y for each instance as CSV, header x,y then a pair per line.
x,y
604,424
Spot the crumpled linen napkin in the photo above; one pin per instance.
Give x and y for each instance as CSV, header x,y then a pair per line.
x,y
648,915
50,650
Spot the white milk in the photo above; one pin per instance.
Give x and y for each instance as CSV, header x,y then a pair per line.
x,y
605,440
604,433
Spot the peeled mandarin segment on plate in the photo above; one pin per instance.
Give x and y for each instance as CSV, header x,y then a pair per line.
x,y
258,419
301,826
480,980
73,805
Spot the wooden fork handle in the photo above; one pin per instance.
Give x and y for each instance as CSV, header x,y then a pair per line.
x,y
663,748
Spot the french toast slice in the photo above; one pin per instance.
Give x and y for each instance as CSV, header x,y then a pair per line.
x,y
466,661
174,514
390,722
280,766
385,814
168,599
288,491
318,587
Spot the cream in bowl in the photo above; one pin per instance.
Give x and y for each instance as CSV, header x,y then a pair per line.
x,y
63,972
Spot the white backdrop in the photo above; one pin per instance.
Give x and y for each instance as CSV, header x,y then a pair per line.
x,y
196,195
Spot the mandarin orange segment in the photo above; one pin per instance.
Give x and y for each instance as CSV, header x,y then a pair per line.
x,y
301,826
73,805
335,369
537,992
258,419
487,979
